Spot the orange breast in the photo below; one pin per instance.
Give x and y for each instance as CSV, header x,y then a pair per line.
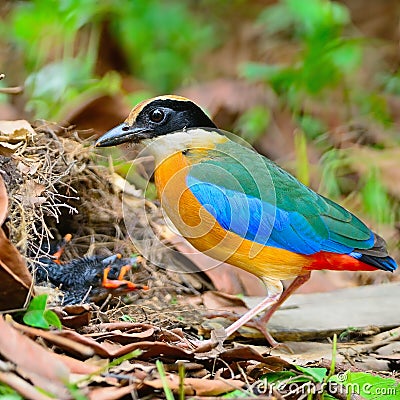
x,y
201,229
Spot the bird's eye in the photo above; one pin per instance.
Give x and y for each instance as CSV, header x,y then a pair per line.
x,y
157,115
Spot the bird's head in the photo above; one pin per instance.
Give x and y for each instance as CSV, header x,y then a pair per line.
x,y
157,117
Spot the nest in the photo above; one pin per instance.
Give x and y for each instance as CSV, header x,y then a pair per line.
x,y
56,187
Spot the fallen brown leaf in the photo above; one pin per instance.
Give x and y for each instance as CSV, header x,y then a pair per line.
x,y
244,353
15,279
34,362
76,366
112,350
222,301
111,393
22,387
124,332
13,134
55,338
199,387
74,316
32,194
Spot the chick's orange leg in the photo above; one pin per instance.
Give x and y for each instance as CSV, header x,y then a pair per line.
x,y
123,271
57,255
117,283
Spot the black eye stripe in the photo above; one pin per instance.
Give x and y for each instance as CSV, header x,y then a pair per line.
x,y
157,115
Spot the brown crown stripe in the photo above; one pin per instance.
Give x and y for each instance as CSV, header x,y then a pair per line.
x,y
138,108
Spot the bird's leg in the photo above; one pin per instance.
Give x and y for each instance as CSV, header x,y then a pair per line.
x,y
274,300
120,282
261,322
123,271
275,289
116,283
61,247
105,280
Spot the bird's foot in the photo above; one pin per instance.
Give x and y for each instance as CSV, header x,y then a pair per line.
x,y
256,323
210,347
260,324
61,247
120,282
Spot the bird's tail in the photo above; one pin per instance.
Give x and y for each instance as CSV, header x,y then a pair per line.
x,y
385,263
377,256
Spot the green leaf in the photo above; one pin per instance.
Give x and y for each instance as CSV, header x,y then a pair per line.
x,y
235,394
327,396
36,314
127,318
273,378
38,303
166,34
376,199
52,318
317,374
36,318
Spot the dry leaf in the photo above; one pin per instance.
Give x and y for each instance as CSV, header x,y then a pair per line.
x,y
76,366
112,350
225,302
55,338
33,361
199,387
74,316
25,389
15,279
13,134
111,393
32,196
124,333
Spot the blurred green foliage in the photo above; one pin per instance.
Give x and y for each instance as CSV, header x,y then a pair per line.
x,y
327,61
163,44
161,40
253,123
6,393
324,67
59,44
58,71
376,200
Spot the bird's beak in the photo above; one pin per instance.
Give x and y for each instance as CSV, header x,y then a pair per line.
x,y
123,133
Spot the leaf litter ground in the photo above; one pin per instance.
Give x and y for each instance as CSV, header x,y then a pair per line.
x,y
110,349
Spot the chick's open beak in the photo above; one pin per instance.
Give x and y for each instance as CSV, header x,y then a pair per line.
x,y
123,133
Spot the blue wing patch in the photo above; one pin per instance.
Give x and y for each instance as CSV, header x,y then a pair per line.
x,y
262,222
